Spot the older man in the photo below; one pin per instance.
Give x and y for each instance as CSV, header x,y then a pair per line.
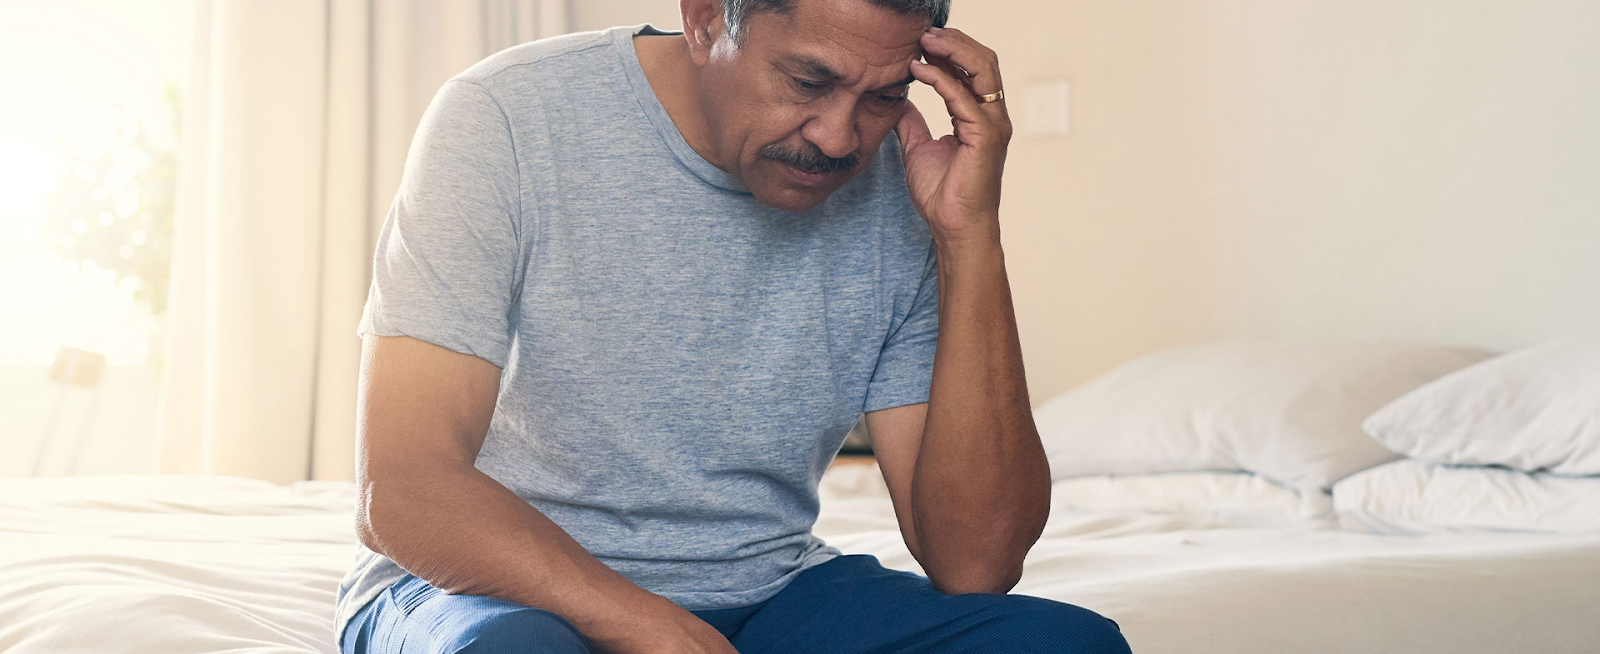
x,y
634,289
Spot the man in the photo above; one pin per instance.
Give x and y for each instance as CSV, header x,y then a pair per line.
x,y
633,291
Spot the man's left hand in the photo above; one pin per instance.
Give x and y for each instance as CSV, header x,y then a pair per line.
x,y
955,180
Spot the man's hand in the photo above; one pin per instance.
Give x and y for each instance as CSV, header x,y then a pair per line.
x,y
955,180
966,471
664,628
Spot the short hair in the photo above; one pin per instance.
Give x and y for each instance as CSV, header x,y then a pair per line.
x,y
736,12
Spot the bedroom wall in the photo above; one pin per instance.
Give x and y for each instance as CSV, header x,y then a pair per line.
x,y
1291,169
1422,170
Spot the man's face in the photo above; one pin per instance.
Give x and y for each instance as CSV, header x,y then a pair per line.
x,y
801,105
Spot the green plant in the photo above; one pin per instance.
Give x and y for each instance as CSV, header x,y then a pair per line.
x,y
114,206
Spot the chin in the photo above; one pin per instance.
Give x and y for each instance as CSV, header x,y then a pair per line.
x,y
785,195
789,199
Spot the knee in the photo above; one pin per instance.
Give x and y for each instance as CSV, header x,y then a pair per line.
x,y
1034,624
522,629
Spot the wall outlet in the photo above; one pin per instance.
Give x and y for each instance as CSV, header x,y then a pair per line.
x,y
1044,108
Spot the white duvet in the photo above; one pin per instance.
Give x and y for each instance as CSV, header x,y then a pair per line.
x,y
1195,563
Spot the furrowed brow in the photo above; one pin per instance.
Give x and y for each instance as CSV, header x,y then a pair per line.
x,y
817,68
905,82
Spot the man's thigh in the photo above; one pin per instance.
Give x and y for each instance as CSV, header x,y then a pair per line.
x,y
413,617
853,605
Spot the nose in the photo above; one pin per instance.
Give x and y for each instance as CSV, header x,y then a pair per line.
x,y
833,129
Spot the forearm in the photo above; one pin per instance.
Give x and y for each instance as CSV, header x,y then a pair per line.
x,y
465,533
981,487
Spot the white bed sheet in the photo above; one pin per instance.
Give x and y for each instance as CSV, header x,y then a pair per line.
x,y
171,565
1203,583
214,564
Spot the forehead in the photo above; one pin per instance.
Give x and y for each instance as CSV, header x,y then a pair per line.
x,y
855,38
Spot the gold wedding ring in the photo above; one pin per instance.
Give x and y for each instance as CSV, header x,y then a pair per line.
x,y
992,97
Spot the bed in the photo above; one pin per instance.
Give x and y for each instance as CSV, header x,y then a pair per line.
x,y
173,565
1238,499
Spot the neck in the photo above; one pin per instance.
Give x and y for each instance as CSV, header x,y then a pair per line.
x,y
675,80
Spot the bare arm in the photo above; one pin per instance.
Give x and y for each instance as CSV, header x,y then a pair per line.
x,y
423,414
966,470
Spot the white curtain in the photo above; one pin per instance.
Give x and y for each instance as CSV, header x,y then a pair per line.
x,y
296,125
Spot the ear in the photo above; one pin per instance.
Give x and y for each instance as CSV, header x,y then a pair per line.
x,y
703,25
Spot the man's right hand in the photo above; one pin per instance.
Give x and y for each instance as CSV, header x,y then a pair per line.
x,y
665,628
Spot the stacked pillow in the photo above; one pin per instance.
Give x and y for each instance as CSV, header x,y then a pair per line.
x,y
1535,410
1416,497
1512,443
1290,413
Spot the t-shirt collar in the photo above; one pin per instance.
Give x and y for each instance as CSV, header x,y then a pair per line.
x,y
705,170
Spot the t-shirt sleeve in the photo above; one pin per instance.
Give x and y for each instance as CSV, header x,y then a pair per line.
x,y
448,261
905,365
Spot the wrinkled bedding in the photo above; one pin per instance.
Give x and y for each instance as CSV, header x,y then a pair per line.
x,y
1200,563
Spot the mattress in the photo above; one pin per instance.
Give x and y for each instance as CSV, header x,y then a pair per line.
x,y
218,564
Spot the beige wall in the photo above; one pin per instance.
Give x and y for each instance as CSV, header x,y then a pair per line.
x,y
1421,170
1416,170
600,14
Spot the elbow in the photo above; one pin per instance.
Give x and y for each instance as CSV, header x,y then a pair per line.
x,y
383,493
368,518
986,565
992,569
366,532
982,577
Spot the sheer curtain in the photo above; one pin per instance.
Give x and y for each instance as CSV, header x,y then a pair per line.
x,y
295,133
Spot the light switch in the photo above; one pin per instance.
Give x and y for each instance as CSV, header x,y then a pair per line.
x,y
1045,106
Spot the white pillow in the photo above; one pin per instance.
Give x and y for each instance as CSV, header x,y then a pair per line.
x,y
1533,410
1289,412
1416,497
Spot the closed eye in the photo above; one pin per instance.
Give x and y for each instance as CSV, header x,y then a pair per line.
x,y
892,97
808,86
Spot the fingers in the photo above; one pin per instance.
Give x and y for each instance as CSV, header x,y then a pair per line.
x,y
949,67
958,99
913,129
979,61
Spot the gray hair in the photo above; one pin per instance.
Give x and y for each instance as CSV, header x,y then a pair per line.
x,y
736,12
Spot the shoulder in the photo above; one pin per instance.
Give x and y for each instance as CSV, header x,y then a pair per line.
x,y
559,93
515,76
584,70
536,57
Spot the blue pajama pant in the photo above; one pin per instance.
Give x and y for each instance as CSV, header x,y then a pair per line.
x,y
849,605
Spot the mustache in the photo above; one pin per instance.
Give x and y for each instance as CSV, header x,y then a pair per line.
x,y
811,159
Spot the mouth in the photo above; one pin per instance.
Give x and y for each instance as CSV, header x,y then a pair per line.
x,y
808,177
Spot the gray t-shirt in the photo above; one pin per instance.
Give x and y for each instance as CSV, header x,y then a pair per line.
x,y
680,361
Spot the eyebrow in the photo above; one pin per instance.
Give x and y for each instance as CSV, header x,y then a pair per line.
x,y
822,71
816,69
905,82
